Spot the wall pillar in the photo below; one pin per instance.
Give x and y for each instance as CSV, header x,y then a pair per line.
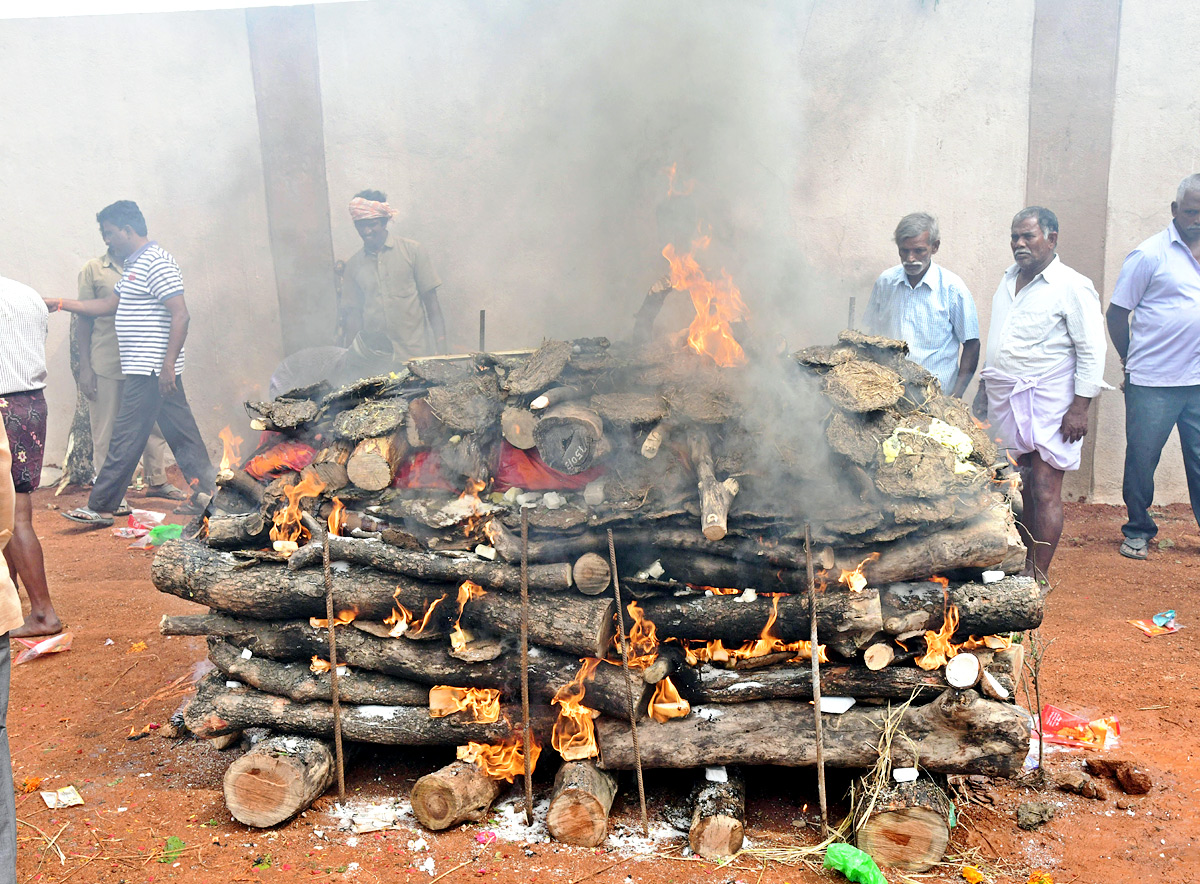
x,y
287,95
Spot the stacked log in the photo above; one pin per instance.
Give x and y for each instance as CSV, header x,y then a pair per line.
x,y
707,479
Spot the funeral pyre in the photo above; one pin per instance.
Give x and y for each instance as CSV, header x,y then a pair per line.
x,y
415,485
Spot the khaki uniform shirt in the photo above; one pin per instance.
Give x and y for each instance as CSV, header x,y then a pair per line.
x,y
96,280
10,603
389,285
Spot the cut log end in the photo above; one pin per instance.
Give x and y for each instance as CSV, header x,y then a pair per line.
x,y
909,828
592,573
277,779
962,671
457,793
582,798
878,656
718,819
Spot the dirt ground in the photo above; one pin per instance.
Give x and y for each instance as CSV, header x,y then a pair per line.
x,y
72,713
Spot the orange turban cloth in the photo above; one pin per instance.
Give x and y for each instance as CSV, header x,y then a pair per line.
x,y
363,209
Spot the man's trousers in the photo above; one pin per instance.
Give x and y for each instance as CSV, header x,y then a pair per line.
x,y
102,414
1150,415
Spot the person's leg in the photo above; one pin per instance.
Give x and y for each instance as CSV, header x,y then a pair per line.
x,y
1028,512
8,806
24,554
1189,440
154,460
1150,415
179,428
103,411
140,401
1045,528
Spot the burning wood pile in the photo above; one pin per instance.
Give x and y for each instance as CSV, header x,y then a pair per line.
x,y
696,483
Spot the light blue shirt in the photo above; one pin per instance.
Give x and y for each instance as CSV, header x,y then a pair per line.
x,y
1160,283
935,318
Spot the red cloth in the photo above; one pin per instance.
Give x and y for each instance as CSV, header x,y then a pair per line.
x,y
282,458
526,470
422,470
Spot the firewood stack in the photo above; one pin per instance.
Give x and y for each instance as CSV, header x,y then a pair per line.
x,y
414,484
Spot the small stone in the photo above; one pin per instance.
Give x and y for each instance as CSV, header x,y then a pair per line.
x,y
1079,783
1032,814
1124,803
1133,780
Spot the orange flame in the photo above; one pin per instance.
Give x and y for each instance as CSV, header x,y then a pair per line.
x,y
683,189
717,305
318,666
459,637
405,623
287,521
471,495
642,638
342,618
938,648
337,517
574,734
767,643
667,703
482,703
232,445
504,761
716,590
855,579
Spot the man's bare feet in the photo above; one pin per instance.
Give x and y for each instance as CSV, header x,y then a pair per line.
x,y
39,625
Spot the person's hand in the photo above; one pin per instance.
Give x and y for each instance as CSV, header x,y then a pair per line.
x,y
87,382
1074,423
979,407
166,382
53,304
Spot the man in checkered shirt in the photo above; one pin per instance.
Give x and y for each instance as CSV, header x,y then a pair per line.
x,y
927,306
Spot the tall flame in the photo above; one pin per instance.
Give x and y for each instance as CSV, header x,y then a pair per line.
x,y
642,638
403,622
855,579
574,734
231,456
287,521
483,704
341,618
938,648
337,517
718,304
504,761
766,643
459,637
667,703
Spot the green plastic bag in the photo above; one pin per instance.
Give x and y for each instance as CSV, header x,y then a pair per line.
x,y
856,865
160,534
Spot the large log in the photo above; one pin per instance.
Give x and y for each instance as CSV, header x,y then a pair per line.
x,y
715,496
296,681
238,532
277,779
457,793
719,818
569,437
580,803
1014,604
516,426
329,465
846,621
217,709
959,732
373,464
433,566
909,825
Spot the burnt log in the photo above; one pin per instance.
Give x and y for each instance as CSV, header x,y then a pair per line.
x,y
329,465
715,496
238,532
516,426
243,483
959,732
570,437
718,818
458,793
1014,604
277,779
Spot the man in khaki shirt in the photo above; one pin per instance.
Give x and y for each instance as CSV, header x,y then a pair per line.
x,y
10,619
390,292
100,377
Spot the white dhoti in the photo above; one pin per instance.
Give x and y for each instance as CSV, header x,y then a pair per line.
x,y
1027,413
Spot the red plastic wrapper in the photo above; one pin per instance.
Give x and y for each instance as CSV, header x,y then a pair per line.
x,y
527,471
1065,729
282,458
423,469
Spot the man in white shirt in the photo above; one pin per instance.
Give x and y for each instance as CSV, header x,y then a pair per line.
x,y
927,306
1045,364
1160,286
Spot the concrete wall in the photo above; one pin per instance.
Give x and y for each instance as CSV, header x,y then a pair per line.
x,y
159,109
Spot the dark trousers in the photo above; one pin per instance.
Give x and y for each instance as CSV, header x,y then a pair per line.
x,y
1150,415
142,405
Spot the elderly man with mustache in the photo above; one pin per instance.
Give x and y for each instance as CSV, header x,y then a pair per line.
x,y
1160,286
1045,364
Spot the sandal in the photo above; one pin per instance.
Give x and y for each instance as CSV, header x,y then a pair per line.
x,y
85,516
166,491
123,508
1135,548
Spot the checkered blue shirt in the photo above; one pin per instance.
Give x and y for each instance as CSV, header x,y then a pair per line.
x,y
935,318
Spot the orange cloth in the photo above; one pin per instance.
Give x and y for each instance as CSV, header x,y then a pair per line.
x,y
362,209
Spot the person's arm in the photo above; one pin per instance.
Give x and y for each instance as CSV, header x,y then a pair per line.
x,y
1118,329
1136,273
178,334
93,307
433,312
968,361
873,320
1075,421
1085,325
979,405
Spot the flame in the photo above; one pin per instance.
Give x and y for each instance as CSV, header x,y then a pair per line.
x,y
232,454
342,618
683,189
337,517
407,624
318,666
482,703
642,638
944,581
855,579
287,521
470,496
459,637
717,305
991,642
716,590
767,643
938,647
574,734
667,704
503,761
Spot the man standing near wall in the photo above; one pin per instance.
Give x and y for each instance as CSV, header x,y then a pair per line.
x,y
389,293
1045,364
23,325
151,323
1160,286
927,306
100,377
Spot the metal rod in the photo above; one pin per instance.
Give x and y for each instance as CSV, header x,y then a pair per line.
x,y
816,673
637,751
850,318
482,329
528,731
335,696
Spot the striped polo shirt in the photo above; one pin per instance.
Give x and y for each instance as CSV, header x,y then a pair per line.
x,y
143,322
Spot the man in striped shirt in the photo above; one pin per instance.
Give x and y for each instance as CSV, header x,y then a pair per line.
x,y
927,306
152,322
